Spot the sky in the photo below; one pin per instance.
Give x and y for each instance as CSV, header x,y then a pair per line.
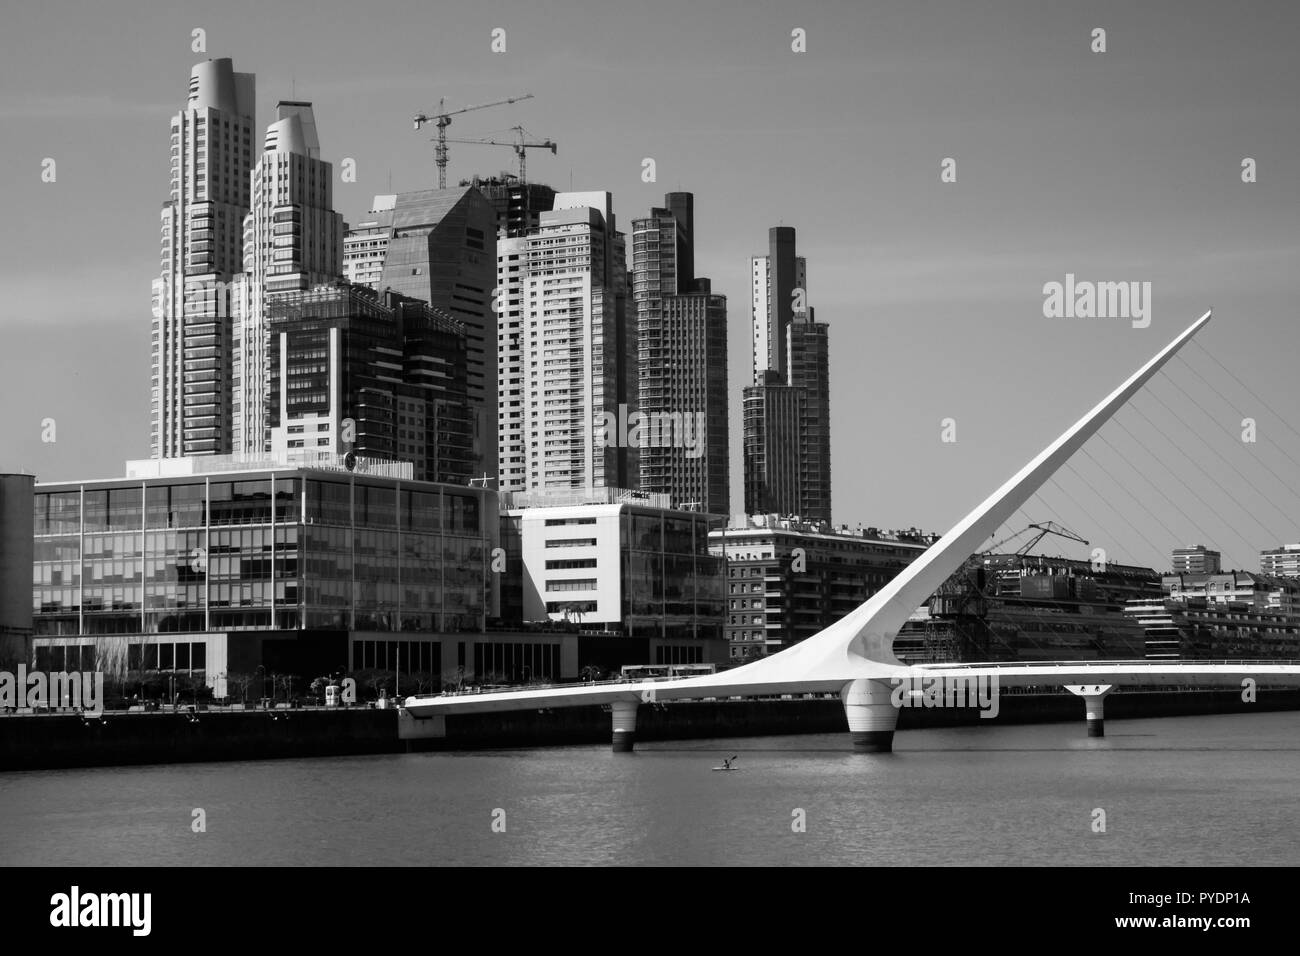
x,y
1122,165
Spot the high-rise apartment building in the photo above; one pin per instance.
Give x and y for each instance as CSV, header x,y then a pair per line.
x,y
512,447
780,284
568,356
293,241
809,365
392,365
201,251
519,209
366,245
786,412
681,363
439,246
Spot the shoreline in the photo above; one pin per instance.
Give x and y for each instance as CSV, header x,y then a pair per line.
x,y
120,738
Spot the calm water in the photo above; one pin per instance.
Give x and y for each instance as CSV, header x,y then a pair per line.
x,y
1191,790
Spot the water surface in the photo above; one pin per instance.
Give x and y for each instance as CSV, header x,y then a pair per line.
x,y
1219,790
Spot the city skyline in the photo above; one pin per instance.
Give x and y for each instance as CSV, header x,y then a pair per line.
x,y
1191,227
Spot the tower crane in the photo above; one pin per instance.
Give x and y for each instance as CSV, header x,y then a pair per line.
x,y
520,146
442,119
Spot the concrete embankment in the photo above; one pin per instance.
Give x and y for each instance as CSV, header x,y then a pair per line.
x,y
685,720
57,740
51,741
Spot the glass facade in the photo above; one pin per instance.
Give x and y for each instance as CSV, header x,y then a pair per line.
x,y
294,549
673,585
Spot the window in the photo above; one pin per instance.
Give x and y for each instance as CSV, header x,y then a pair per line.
x,y
577,584
566,564
572,543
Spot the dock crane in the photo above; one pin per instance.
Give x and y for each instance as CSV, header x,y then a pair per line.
x,y
442,119
964,597
1044,529
520,146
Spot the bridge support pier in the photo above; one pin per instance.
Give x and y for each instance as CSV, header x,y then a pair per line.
x,y
872,715
623,716
1094,696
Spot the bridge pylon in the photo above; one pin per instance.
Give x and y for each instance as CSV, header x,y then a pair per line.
x,y
623,716
1094,697
872,716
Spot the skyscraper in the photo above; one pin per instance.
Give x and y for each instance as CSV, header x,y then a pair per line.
x,y
201,250
681,363
567,279
439,246
786,411
512,445
780,283
519,209
293,240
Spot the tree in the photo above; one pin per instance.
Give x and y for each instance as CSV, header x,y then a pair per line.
x,y
592,672
375,681
282,682
241,683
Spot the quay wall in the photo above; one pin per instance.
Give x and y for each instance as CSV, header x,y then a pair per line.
x,y
47,741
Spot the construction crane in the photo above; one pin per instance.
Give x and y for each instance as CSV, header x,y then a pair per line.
x,y
1044,529
520,146
442,119
965,594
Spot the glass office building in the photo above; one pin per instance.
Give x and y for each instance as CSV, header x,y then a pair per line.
x,y
294,551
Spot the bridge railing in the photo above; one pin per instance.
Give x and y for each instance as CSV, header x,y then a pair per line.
x,y
996,665
513,688
1073,665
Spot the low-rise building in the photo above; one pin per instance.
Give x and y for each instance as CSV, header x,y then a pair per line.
x,y
1009,607
788,579
636,577
15,568
1234,615
1197,559
215,568
1284,560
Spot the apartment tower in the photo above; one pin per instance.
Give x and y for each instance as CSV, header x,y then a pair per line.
x,y
681,363
786,412
293,241
565,284
201,250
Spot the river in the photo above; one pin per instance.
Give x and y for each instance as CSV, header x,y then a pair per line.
x,y
1188,790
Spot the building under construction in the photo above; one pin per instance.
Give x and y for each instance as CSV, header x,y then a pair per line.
x,y
1006,607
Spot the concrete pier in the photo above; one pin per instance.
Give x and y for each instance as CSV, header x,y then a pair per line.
x,y
871,714
1094,696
